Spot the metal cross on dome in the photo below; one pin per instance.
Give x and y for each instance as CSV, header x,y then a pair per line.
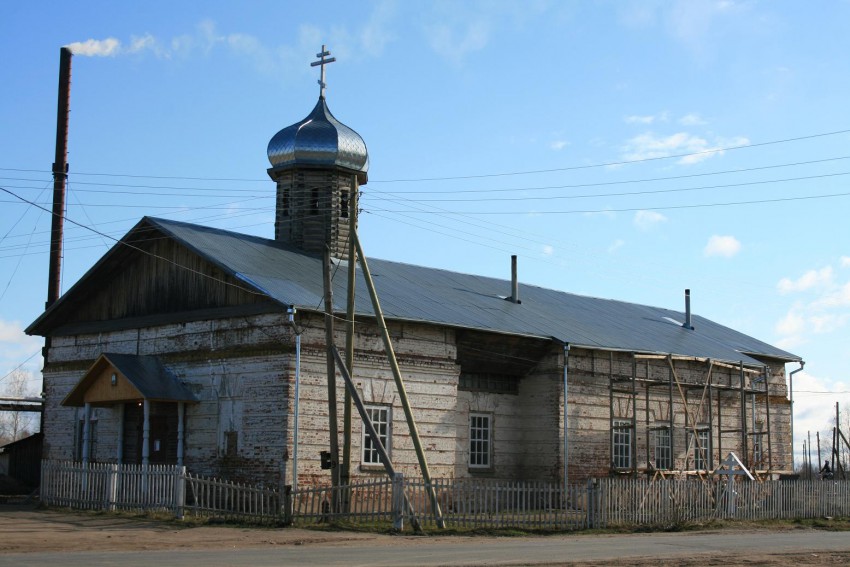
x,y
322,61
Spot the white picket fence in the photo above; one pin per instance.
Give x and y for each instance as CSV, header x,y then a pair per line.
x,y
463,503
105,486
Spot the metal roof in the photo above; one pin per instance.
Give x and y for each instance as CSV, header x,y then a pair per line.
x,y
146,373
319,140
429,295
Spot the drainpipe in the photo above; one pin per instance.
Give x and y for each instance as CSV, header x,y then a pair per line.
x,y
566,443
791,394
291,312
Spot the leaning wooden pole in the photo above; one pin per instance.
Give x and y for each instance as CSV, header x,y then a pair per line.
x,y
402,393
373,434
333,425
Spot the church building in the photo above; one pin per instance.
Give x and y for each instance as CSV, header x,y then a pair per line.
x,y
192,345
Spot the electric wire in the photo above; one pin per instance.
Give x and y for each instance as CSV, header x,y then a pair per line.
x,y
486,175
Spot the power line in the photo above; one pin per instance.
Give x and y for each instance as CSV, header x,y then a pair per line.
x,y
475,176
633,209
622,182
616,163
128,245
628,193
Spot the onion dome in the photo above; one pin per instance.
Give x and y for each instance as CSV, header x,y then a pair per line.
x,y
319,140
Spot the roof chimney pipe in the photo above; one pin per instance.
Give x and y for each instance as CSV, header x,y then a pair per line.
x,y
687,323
514,298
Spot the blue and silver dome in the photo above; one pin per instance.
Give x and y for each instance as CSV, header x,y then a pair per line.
x,y
319,140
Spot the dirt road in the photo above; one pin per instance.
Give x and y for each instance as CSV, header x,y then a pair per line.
x,y
40,537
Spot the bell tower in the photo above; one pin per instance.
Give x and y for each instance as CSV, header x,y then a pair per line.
x,y
318,165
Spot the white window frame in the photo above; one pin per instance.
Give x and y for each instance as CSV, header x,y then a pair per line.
x,y
381,417
621,444
702,458
480,441
662,447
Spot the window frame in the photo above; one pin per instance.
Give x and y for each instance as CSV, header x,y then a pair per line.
x,y
480,456
702,458
663,462
370,457
622,431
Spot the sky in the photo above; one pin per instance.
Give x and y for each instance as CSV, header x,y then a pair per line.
x,y
622,149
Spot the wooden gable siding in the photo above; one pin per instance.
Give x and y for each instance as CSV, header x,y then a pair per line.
x,y
169,278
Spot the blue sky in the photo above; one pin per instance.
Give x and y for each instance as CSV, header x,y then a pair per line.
x,y
626,150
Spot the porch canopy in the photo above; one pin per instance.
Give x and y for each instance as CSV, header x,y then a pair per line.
x,y
123,378
118,380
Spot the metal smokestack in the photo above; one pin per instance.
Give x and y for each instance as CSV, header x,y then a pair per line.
x,y
60,174
688,324
514,282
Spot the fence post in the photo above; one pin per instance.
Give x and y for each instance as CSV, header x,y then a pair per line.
x,y
287,505
398,501
112,487
179,491
591,503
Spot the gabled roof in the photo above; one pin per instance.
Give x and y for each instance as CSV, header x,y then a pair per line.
x,y
428,295
137,377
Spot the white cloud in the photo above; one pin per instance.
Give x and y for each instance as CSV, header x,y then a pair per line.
x,y
791,324
369,40
726,246
692,120
640,119
814,411
376,34
690,147
16,348
645,220
822,306
809,280
648,118
559,145
456,41
845,261
548,250
616,245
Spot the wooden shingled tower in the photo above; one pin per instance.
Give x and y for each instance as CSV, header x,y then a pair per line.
x,y
318,164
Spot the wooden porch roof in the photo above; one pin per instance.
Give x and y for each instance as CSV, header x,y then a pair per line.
x,y
121,378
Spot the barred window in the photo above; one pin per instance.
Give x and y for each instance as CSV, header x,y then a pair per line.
x,y
480,440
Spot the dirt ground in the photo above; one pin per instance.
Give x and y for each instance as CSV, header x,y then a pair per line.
x,y
24,528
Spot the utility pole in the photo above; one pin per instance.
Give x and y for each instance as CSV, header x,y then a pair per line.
x,y
349,336
333,426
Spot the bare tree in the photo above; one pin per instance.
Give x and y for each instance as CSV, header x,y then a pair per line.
x,y
16,425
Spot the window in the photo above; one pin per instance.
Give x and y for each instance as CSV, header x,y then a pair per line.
x,y
622,444
480,440
285,207
314,201
702,450
343,205
231,444
380,417
662,448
